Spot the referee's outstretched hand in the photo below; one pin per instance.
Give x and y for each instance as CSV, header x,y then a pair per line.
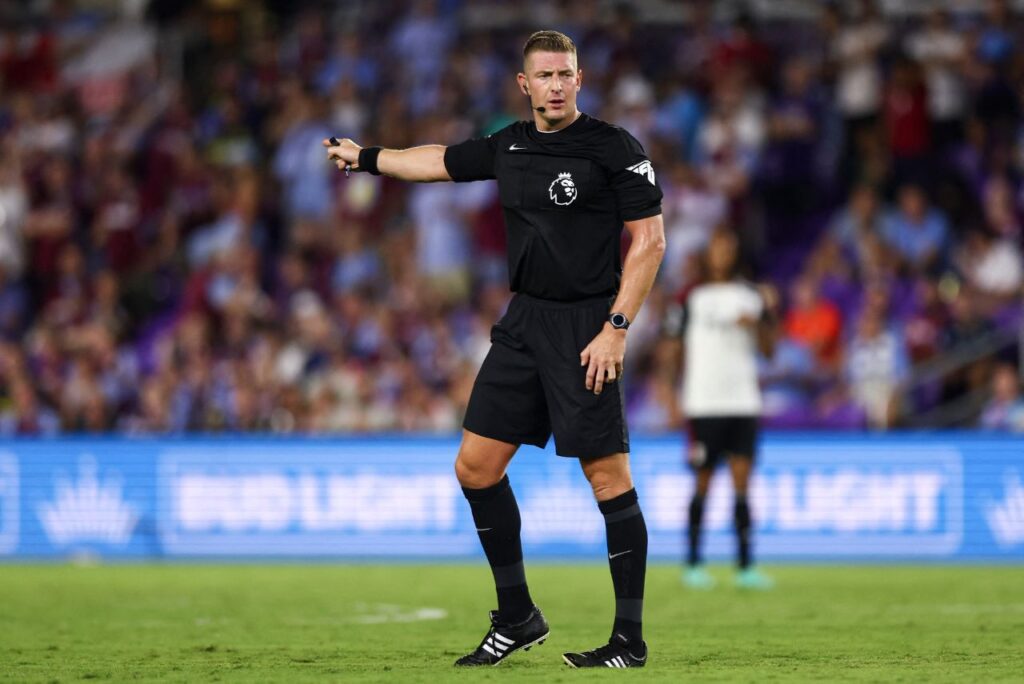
x,y
344,153
603,357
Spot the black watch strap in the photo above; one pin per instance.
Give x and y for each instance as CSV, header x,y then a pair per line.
x,y
618,320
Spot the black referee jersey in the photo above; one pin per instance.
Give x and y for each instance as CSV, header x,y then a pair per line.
x,y
565,196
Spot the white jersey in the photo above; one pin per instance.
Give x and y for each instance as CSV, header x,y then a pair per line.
x,y
720,358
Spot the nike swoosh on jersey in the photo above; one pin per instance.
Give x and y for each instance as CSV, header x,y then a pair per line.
x,y
620,553
513,147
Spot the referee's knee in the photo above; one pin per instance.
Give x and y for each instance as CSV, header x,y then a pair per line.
x,y
609,476
476,475
605,490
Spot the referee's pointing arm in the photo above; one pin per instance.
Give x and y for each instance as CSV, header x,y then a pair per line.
x,y
424,163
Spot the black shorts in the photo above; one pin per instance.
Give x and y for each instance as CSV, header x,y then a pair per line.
x,y
713,439
532,384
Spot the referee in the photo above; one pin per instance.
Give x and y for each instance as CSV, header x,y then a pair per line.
x,y
568,183
724,322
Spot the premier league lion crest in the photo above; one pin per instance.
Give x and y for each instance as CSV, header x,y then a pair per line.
x,y
562,190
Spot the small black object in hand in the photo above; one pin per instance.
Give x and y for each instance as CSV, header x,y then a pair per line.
x,y
335,142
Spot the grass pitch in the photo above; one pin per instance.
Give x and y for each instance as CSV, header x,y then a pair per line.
x,y
406,623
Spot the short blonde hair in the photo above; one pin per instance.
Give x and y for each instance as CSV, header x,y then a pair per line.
x,y
549,41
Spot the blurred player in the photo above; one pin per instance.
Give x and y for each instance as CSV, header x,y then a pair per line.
x,y
568,183
724,322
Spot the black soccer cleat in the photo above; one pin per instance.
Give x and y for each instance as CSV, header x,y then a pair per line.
x,y
503,639
616,653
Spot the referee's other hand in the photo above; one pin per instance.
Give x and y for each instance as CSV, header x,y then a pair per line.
x,y
603,358
344,153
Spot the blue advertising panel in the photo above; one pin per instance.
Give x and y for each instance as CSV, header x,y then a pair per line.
x,y
79,496
911,497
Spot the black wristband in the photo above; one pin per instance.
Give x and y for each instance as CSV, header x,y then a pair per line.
x,y
368,160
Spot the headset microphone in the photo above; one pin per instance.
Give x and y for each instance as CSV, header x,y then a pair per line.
x,y
539,109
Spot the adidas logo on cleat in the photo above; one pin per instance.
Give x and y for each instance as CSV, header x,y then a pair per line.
x,y
496,644
617,653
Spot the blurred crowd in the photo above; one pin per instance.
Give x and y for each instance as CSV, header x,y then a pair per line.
x,y
176,254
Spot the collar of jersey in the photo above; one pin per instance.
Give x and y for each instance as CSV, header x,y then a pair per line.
x,y
571,129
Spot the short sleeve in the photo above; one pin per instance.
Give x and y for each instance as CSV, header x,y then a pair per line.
x,y
633,180
471,160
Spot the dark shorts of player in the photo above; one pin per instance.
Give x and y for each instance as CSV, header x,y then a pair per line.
x,y
712,440
532,384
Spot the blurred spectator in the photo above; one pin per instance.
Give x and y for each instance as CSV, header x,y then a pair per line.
x,y
793,129
357,267
440,214
116,222
917,231
925,327
740,51
837,276
860,82
858,222
995,41
14,306
907,123
632,105
693,209
49,223
349,63
1001,213
421,40
23,416
299,161
991,265
1005,409
730,137
814,321
876,364
13,208
942,51
788,384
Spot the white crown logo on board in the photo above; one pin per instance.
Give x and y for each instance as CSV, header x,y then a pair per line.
x,y
88,510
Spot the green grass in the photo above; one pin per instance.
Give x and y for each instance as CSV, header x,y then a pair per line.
x,y
345,623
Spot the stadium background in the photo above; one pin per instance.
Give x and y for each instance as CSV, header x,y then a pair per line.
x,y
215,346
176,255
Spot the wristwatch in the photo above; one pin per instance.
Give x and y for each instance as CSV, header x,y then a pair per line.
x,y
618,320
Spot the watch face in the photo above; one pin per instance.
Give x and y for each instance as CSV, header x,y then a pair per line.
x,y
619,320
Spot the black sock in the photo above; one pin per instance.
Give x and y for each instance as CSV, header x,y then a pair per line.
x,y
741,517
496,515
627,558
694,527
